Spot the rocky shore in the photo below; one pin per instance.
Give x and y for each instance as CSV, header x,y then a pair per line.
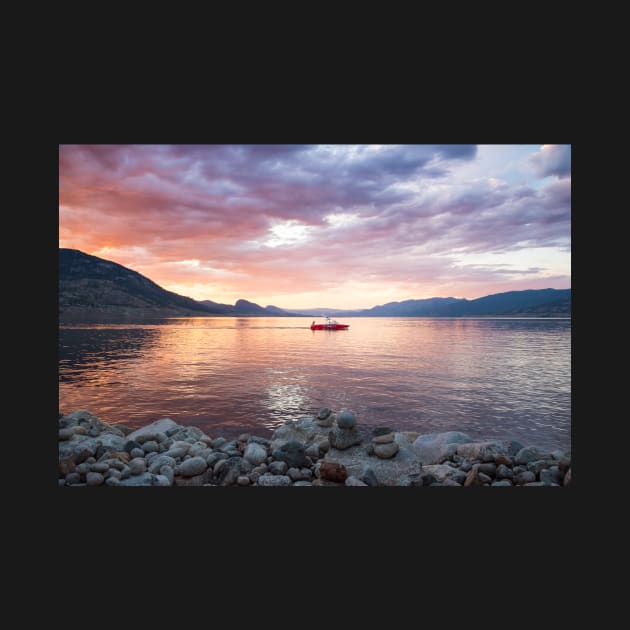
x,y
323,450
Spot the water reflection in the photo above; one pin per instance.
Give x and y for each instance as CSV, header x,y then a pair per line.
x,y
489,378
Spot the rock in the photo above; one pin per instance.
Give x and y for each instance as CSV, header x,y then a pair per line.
x,y
66,465
255,453
278,468
386,451
313,451
551,475
482,451
137,452
218,442
485,479
231,470
150,457
503,458
333,472
259,440
66,434
387,471
539,465
291,452
295,474
122,457
536,483
465,466
527,455
378,431
192,467
324,445
502,482
243,437
386,438
324,412
489,469
342,439
242,480
307,474
112,481
325,422
451,482
215,457
274,480
424,479
525,477
100,467
503,472
302,483
125,472
176,453
440,472
473,477
150,447
137,466
159,461
567,478
368,477
346,420
80,431
72,478
94,479
305,430
167,472
195,480
161,480
354,481
159,426
434,447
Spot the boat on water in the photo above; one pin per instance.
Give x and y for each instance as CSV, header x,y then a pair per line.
x,y
330,324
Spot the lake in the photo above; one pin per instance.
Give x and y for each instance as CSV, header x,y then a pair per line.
x,y
491,378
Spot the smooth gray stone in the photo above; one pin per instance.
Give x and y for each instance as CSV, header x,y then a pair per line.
x,y
255,453
94,479
346,420
192,467
274,480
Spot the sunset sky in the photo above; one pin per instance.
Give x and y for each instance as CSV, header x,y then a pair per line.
x,y
342,226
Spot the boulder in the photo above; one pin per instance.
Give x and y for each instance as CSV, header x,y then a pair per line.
x,y
291,452
342,439
159,426
255,454
305,430
483,451
434,447
440,472
346,420
386,471
527,455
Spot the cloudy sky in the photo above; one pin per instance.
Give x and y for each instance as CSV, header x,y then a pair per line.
x,y
345,226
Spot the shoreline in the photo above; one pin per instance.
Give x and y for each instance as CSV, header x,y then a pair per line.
x,y
323,450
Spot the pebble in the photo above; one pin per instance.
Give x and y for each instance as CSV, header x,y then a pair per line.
x,y
192,467
137,466
73,477
94,479
489,469
313,451
66,434
387,438
324,412
274,480
502,482
295,474
112,481
243,480
386,451
278,468
150,447
525,477
136,452
324,446
167,472
368,477
302,483
503,472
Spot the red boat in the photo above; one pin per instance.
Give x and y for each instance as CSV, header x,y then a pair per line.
x,y
330,324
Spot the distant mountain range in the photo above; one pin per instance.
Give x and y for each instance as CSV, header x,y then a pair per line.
x,y
93,289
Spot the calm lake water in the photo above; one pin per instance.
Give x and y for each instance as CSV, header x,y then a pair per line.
x,y
491,378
